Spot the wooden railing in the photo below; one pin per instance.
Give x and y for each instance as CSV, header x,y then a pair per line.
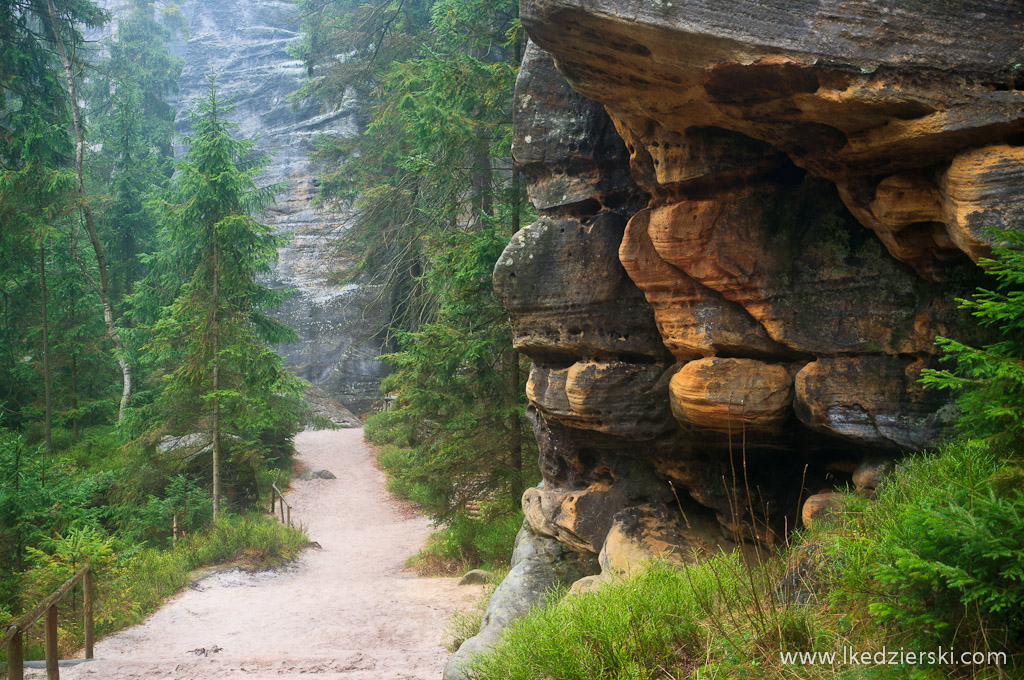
x,y
276,495
13,637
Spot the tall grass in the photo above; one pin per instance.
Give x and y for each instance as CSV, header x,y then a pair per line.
x,y
462,541
468,543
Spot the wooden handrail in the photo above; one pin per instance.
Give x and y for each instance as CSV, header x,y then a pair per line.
x,y
275,493
13,635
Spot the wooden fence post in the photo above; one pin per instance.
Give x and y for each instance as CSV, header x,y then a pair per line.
x,y
16,658
52,658
88,614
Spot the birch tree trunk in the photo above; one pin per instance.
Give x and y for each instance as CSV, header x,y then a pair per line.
x,y
90,222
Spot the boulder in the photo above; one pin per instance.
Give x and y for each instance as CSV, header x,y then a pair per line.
x,y
871,472
819,506
475,577
732,395
316,473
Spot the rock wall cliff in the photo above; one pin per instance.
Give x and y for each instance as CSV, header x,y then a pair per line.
x,y
755,217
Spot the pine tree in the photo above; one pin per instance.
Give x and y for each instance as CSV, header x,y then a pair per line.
x,y
989,380
223,378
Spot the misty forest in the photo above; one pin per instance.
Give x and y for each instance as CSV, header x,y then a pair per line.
x,y
500,339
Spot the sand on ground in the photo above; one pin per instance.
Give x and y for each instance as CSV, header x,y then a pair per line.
x,y
348,610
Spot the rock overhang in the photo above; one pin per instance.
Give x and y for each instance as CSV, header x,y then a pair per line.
x,y
762,144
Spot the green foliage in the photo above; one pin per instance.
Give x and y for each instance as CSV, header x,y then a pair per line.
x,y
466,542
483,539
182,498
36,188
941,553
372,35
134,125
41,498
989,380
628,630
60,557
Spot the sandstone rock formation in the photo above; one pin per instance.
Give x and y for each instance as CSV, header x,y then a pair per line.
x,y
729,309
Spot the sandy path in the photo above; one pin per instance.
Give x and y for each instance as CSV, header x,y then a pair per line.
x,y
347,611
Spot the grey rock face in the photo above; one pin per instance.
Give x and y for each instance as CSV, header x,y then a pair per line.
x,y
538,565
245,44
475,577
326,406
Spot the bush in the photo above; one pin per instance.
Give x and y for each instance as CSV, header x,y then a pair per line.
x,y
940,554
467,543
989,380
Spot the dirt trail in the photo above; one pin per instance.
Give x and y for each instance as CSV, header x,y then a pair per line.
x,y
347,611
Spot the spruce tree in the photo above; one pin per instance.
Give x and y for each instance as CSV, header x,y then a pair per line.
x,y
222,378
989,380
37,190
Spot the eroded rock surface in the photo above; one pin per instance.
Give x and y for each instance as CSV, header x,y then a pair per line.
x,y
729,304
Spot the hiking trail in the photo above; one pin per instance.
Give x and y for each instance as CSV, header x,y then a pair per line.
x,y
349,610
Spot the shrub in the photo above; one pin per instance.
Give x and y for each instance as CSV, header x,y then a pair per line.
x,y
940,554
467,542
989,380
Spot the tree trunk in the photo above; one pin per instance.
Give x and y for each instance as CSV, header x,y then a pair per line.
x,y
216,377
515,432
47,379
90,222
19,542
74,395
